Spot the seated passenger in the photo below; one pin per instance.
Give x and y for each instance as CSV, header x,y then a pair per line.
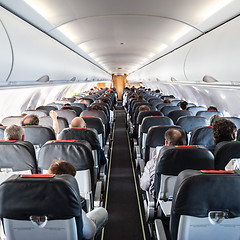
x,y
172,137
33,119
183,105
212,108
213,119
224,130
143,108
14,132
93,221
79,122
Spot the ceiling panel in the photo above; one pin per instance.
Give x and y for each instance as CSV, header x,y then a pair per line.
x,y
122,36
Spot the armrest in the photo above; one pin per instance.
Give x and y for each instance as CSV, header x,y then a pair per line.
x,y
97,196
166,207
160,232
149,206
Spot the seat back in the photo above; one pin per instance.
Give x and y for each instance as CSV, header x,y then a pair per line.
x,y
148,122
167,109
161,105
224,152
17,156
38,135
2,129
175,114
208,114
174,159
203,212
195,109
97,124
203,136
12,120
79,154
39,113
188,123
68,114
89,135
235,120
77,109
155,138
81,105
57,105
47,108
48,122
41,207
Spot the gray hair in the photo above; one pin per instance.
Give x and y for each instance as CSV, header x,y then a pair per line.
x,y
13,132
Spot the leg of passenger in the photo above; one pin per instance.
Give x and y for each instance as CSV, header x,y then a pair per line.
x,y
99,216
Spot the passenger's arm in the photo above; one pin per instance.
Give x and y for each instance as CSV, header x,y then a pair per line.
x,y
89,227
53,115
145,179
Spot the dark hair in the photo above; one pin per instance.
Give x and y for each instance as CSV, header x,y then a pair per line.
x,y
144,108
62,167
31,119
167,101
213,119
175,136
212,108
183,105
96,108
224,130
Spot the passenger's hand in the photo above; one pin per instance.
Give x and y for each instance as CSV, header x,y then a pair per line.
x,y
53,114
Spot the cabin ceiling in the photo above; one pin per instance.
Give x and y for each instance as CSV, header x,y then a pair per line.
x,y
122,36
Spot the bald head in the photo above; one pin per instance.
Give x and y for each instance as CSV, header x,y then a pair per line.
x,y
175,137
78,122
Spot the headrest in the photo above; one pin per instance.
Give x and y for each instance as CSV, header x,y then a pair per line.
x,y
81,134
194,197
154,121
224,152
78,153
144,114
202,136
197,193
56,197
191,122
155,136
18,155
174,159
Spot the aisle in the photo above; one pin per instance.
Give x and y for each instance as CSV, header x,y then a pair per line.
x,y
122,201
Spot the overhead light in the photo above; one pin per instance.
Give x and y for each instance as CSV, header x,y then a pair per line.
x,y
184,30
162,47
150,55
84,47
68,32
92,55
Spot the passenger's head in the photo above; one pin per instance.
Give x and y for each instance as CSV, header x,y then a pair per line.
x,y
174,137
183,105
167,101
96,108
224,130
143,108
212,108
78,122
213,119
14,132
30,119
62,167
